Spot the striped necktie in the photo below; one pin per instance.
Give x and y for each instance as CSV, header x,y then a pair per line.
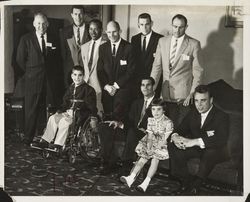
x,y
173,53
78,40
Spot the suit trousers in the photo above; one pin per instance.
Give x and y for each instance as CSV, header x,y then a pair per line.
x,y
209,157
108,136
35,104
133,137
60,122
176,112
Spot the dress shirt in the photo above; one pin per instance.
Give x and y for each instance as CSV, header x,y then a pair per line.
x,y
147,39
40,40
97,43
82,29
116,45
179,42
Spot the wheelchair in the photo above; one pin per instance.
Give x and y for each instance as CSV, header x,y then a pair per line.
x,y
83,139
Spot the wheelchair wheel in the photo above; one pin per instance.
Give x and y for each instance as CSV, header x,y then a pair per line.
x,y
89,142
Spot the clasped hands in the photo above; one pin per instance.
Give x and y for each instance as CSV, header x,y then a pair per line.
x,y
111,89
182,142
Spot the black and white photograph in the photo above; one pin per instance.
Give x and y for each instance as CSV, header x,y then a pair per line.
x,y
123,100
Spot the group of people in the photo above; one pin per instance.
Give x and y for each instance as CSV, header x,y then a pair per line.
x,y
145,89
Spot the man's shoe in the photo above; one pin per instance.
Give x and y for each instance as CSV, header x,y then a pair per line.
x,y
43,144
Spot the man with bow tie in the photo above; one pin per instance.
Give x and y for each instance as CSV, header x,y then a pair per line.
x,y
39,57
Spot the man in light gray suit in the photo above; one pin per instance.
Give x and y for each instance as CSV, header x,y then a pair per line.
x,y
178,58
90,55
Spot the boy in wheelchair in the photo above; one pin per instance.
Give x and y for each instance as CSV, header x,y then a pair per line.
x,y
79,102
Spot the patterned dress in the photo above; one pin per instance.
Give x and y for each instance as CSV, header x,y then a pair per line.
x,y
160,130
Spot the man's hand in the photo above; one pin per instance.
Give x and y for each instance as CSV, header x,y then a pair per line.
x,y
114,124
110,89
188,100
178,141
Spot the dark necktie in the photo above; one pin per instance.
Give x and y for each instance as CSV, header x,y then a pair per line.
x,y
113,50
78,41
143,111
91,56
144,44
43,46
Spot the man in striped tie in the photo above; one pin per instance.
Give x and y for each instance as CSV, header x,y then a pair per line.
x,y
178,58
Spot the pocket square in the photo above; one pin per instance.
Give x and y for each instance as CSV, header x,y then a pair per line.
x,y
123,62
210,133
185,57
48,44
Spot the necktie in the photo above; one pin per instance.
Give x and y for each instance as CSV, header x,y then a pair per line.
x,y
143,111
144,44
114,50
43,46
78,41
173,52
91,56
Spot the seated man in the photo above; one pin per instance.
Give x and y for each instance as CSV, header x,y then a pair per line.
x,y
79,96
138,116
203,134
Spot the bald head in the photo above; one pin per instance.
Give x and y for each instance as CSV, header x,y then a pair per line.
x,y
113,31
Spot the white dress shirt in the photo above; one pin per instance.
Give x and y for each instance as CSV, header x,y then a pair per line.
x,y
40,40
116,45
97,43
179,42
147,39
82,29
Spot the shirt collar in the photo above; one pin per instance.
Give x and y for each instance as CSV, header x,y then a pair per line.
x,y
179,39
81,27
96,41
39,35
117,43
147,36
206,113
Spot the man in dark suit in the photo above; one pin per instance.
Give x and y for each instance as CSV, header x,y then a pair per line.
x,y
203,133
138,116
72,37
144,45
39,57
115,69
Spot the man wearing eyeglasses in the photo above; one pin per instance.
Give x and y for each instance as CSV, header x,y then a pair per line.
x,y
178,58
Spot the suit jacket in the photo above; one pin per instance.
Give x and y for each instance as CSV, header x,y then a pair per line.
x,y
90,77
82,92
186,72
135,114
40,72
144,61
71,52
120,70
214,131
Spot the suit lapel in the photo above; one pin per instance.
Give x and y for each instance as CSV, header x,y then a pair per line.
x,y
182,48
150,43
209,118
36,43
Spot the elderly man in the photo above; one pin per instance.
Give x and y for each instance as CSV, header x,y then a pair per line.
x,y
115,69
178,59
72,37
203,134
39,57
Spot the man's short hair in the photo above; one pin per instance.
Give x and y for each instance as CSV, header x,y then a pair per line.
x,y
149,78
77,7
203,89
78,68
97,22
116,24
181,17
145,16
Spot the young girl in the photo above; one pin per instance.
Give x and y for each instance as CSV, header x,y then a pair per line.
x,y
151,146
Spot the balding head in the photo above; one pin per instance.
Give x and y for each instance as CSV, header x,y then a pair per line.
x,y
113,31
40,23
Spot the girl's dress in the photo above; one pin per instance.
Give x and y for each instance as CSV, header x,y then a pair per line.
x,y
161,129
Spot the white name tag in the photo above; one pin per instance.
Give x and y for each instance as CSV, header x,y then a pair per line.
x,y
49,44
210,133
185,57
123,62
